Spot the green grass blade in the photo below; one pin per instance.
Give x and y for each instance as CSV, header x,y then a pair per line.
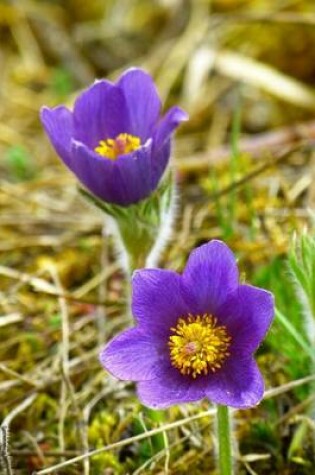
x,y
295,334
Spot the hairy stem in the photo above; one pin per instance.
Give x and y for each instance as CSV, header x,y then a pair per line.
x,y
225,444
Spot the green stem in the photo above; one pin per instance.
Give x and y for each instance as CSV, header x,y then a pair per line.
x,y
224,436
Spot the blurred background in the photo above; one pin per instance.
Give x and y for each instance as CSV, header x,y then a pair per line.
x,y
244,70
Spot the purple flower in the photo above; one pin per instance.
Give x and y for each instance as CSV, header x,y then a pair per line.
x,y
195,335
115,141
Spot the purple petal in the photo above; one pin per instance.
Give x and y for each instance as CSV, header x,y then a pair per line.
x,y
160,159
58,124
248,314
142,100
238,384
132,356
161,150
167,125
94,172
123,181
134,174
170,388
158,300
100,112
210,275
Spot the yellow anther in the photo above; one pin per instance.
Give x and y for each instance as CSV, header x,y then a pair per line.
x,y
121,145
199,345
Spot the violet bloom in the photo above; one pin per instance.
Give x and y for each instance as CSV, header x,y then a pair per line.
x,y
115,141
195,335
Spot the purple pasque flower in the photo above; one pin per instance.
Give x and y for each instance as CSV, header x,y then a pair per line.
x,y
195,333
115,140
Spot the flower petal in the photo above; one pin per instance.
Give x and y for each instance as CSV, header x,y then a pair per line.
x,y
158,300
160,159
143,101
170,388
171,120
210,275
100,112
123,181
94,172
58,124
132,356
134,174
238,384
248,314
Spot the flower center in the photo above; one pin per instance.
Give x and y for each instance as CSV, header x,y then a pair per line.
x,y
199,345
121,145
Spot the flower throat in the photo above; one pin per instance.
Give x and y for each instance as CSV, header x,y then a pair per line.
x,y
199,345
121,145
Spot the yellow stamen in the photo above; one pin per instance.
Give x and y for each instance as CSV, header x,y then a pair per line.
x,y
121,145
199,345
